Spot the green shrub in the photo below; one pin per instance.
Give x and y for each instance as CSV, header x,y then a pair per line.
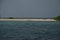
x,y
57,18
10,18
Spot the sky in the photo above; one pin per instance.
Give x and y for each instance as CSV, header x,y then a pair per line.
x,y
30,8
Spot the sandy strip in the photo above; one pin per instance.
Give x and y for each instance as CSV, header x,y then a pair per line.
x,y
27,20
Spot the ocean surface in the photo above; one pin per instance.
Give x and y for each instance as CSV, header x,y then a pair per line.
x,y
29,30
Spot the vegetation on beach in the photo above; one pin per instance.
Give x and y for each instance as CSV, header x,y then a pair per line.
x,y
57,18
11,18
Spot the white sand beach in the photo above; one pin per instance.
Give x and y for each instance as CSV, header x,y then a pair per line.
x,y
27,20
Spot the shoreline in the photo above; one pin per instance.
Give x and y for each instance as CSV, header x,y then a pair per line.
x,y
27,20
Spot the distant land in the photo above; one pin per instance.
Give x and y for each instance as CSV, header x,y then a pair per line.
x,y
27,18
57,18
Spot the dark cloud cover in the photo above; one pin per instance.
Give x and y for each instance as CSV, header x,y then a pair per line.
x,y
30,8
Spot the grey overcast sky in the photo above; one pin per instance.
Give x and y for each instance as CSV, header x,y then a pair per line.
x,y
30,8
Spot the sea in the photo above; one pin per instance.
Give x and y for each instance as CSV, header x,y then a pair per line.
x,y
16,30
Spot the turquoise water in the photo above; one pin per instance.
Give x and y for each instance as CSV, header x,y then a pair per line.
x,y
29,30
